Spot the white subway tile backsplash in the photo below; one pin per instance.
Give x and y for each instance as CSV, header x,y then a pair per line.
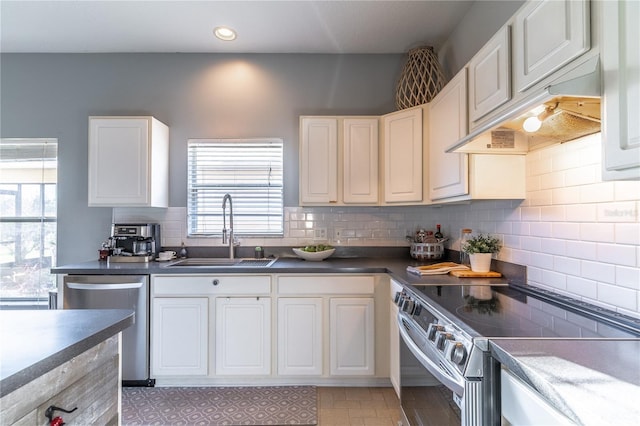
x,y
554,279
541,260
626,211
566,195
541,229
601,232
530,214
627,190
597,193
540,198
552,180
555,246
566,265
617,254
582,287
582,250
583,176
628,277
567,231
617,296
598,271
627,233
581,213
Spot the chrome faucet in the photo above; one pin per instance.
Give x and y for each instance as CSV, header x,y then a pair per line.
x,y
228,233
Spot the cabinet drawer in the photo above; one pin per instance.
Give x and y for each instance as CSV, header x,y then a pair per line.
x,y
326,284
211,284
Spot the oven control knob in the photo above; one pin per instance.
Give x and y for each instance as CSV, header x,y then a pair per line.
x,y
458,353
433,329
442,338
408,306
417,309
397,297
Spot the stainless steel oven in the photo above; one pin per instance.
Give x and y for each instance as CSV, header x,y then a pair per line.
x,y
447,374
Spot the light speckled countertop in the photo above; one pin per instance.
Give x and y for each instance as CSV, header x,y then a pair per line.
x,y
35,342
593,382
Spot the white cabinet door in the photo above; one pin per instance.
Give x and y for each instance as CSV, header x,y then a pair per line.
x,y
360,160
547,35
128,162
448,172
394,340
621,67
490,76
403,156
243,335
351,330
300,336
318,160
179,343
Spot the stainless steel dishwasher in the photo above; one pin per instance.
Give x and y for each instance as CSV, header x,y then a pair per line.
x,y
118,292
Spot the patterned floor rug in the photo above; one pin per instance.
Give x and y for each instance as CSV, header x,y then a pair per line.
x,y
279,405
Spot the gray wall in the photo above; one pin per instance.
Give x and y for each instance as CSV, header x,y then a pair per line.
x,y
480,23
196,95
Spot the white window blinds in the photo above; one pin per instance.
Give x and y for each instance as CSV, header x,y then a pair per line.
x,y
250,170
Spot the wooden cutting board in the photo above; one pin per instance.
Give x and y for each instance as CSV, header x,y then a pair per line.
x,y
471,274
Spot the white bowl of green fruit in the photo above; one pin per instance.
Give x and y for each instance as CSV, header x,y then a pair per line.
x,y
315,252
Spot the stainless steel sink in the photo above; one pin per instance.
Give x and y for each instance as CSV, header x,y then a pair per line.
x,y
216,262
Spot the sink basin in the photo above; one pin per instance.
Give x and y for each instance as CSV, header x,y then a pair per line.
x,y
215,262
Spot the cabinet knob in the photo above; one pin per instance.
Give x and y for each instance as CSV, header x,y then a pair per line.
x,y
215,281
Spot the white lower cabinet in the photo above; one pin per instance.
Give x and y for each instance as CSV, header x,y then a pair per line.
x,y
179,344
243,335
239,329
352,336
299,336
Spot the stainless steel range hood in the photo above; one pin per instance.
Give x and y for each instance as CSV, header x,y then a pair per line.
x,y
573,102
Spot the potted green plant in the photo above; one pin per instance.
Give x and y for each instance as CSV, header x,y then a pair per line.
x,y
480,249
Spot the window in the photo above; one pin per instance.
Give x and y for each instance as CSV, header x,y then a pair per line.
x,y
250,170
28,194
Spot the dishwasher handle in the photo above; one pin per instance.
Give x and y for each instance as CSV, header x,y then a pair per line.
x,y
117,286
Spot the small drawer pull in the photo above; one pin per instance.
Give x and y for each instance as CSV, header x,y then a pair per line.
x,y
215,281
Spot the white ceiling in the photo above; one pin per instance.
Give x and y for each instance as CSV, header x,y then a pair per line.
x,y
263,26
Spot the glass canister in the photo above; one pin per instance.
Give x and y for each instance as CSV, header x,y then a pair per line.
x,y
465,235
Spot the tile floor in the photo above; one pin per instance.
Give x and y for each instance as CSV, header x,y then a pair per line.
x,y
338,406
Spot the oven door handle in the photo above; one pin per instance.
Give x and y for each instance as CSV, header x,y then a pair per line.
x,y
118,286
433,368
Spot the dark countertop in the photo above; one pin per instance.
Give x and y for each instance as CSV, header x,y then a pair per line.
x,y
35,342
596,390
396,267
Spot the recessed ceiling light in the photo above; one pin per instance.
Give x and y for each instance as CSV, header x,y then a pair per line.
x,y
224,33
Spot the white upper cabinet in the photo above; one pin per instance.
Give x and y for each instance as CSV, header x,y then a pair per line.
x,y
490,76
448,172
128,162
360,160
402,151
620,54
318,160
547,35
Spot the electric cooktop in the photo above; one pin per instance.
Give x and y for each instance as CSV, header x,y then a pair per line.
x,y
517,311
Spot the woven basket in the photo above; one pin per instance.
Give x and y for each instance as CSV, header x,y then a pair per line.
x,y
421,79
427,251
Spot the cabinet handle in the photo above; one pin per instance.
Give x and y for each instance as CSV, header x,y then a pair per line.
x,y
215,281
